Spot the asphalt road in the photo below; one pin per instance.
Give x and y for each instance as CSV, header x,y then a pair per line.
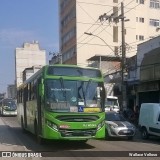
x,y
12,139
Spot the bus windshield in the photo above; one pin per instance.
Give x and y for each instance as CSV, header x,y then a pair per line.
x,y
9,104
111,102
67,96
75,72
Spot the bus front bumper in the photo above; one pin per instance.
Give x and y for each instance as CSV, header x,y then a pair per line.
x,y
12,113
73,134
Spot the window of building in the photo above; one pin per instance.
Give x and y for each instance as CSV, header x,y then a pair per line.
x,y
64,3
116,50
69,54
136,19
141,37
141,19
115,1
115,34
68,35
155,4
136,37
141,1
70,16
154,22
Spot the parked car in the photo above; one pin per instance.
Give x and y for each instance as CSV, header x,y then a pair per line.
x,y
149,120
118,126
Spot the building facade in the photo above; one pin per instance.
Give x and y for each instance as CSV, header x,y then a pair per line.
x,y
28,72
28,56
11,91
78,17
2,96
144,78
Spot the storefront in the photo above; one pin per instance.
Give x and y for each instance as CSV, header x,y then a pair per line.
x,y
149,87
149,92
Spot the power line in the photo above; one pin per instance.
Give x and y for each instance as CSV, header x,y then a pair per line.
x,y
125,12
95,44
91,18
96,4
105,20
112,15
99,25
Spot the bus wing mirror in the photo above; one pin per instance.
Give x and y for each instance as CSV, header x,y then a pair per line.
x,y
98,92
41,88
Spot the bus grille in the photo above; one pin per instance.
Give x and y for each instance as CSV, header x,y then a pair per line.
x,y
79,133
77,118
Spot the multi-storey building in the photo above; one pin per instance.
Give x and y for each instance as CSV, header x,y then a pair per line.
x,y
11,91
79,16
28,56
28,72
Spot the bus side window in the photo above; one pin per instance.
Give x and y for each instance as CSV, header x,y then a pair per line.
x,y
33,91
29,92
25,96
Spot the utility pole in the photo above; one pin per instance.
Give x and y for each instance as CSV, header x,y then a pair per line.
x,y
113,18
123,62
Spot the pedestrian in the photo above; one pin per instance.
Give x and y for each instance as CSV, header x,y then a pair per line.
x,y
136,114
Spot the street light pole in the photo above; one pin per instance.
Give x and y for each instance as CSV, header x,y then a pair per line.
x,y
123,59
90,34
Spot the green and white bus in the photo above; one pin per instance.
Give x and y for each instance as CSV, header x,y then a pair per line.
x,y
63,102
8,107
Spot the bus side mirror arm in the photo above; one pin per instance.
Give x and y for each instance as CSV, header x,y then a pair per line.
x,y
41,88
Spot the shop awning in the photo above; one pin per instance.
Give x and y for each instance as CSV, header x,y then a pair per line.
x,y
105,58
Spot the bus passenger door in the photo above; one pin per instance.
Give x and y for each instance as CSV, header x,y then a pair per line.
x,y
39,107
25,99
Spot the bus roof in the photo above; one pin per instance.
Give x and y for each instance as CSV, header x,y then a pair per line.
x,y
53,68
72,65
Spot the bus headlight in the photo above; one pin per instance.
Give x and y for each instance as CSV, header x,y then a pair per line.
x,y
100,125
52,125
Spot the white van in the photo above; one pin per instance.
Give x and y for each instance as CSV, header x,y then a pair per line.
x,y
111,104
149,119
